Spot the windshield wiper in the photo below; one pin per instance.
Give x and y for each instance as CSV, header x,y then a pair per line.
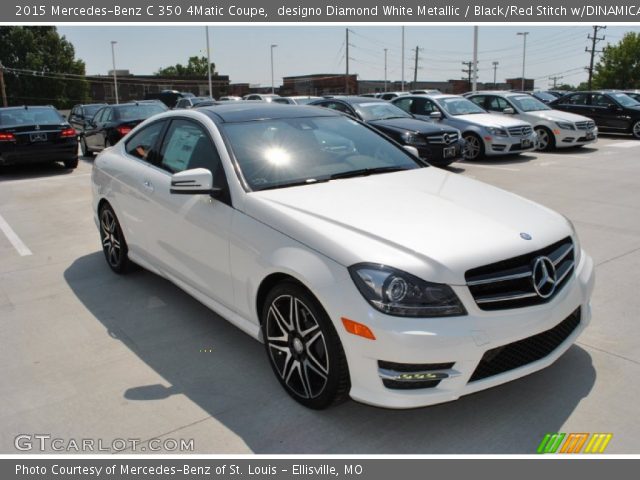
x,y
391,117
296,183
363,172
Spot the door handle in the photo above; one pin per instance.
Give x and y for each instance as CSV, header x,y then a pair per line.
x,y
148,185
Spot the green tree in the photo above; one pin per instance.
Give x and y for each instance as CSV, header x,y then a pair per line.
x,y
40,55
195,67
619,65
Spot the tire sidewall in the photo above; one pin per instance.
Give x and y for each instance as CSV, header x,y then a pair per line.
x,y
123,264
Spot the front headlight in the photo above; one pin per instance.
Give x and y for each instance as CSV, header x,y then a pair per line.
x,y
415,139
398,293
566,125
497,132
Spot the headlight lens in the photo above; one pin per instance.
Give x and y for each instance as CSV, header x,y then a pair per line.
x,y
414,139
566,125
398,293
497,132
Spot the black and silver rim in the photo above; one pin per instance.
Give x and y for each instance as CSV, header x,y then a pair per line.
x,y
543,139
111,241
636,129
472,147
297,346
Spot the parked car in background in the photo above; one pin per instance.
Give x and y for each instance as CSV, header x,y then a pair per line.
x,y
190,102
113,122
365,272
301,99
544,97
264,97
80,114
229,98
168,97
36,134
425,92
558,93
612,111
635,94
391,95
438,145
554,128
485,134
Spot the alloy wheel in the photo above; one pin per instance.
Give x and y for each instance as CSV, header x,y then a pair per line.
x,y
111,238
297,346
543,139
636,129
472,147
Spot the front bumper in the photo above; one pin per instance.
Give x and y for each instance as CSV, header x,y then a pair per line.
x,y
461,341
572,138
494,145
435,153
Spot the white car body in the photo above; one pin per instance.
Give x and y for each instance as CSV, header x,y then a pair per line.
x,y
568,129
221,255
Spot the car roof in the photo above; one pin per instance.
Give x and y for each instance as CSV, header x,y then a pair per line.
x,y
354,99
26,107
251,111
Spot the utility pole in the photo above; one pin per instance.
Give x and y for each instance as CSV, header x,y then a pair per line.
x,y
346,77
475,58
402,81
468,71
209,63
2,87
495,71
415,69
555,80
273,88
524,55
595,39
115,76
385,69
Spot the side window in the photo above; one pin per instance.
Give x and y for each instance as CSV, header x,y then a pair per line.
x,y
426,108
496,104
98,118
577,99
141,144
187,145
339,107
599,100
479,100
405,104
108,115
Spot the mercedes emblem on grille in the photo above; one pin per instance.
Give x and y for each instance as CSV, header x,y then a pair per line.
x,y
544,276
446,138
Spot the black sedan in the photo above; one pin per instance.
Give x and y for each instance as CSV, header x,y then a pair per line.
x,y
81,114
36,135
612,111
436,144
113,122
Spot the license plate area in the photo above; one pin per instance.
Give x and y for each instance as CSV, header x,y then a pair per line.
x,y
525,143
449,152
589,136
38,137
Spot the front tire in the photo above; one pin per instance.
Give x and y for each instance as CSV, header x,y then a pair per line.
x,y
114,245
474,147
635,129
546,139
71,164
303,347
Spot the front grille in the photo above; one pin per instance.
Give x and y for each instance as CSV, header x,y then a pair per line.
x,y
586,125
441,140
521,131
509,283
517,354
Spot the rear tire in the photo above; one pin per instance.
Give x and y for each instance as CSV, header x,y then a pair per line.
x,y
303,347
635,129
114,245
71,164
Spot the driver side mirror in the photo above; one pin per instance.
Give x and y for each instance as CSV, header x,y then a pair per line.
x,y
508,111
196,181
435,115
412,150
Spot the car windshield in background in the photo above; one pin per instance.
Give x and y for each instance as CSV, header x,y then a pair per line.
x,y
527,103
379,111
625,100
545,96
299,151
91,110
138,112
29,116
459,106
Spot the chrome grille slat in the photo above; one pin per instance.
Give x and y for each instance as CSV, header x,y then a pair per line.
x,y
586,125
439,139
520,131
506,298
562,256
500,279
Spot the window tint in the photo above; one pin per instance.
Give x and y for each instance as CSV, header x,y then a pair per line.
x,y
187,146
100,115
577,99
425,107
404,104
141,144
496,104
29,116
601,100
478,101
337,106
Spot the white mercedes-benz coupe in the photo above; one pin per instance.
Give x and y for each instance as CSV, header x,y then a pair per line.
x,y
364,271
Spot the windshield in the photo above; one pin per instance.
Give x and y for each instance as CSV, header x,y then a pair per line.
x,y
625,100
527,103
545,96
138,112
294,151
379,111
16,117
459,106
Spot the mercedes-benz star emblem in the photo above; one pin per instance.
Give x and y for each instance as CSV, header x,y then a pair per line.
x,y
446,138
544,277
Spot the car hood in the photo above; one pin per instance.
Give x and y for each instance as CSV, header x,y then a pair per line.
x,y
410,124
428,222
489,120
557,115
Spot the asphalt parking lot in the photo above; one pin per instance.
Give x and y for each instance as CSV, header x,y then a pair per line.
x,y
89,354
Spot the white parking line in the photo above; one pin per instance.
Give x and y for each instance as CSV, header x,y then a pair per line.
x,y
13,237
625,144
491,167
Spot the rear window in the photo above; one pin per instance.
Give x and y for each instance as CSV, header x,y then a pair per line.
x,y
30,116
91,110
138,112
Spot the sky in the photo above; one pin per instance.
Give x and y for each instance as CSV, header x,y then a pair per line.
x,y
243,52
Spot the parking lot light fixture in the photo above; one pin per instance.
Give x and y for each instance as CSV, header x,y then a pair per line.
x,y
524,55
115,77
273,90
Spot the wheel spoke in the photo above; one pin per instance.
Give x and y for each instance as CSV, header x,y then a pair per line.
x,y
106,242
311,354
280,320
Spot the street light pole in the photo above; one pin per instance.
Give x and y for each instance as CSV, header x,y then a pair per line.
x,y
115,77
385,69
524,55
495,71
273,89
402,67
209,62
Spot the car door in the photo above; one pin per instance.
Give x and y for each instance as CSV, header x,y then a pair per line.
x,y
76,118
91,132
189,234
577,103
607,113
